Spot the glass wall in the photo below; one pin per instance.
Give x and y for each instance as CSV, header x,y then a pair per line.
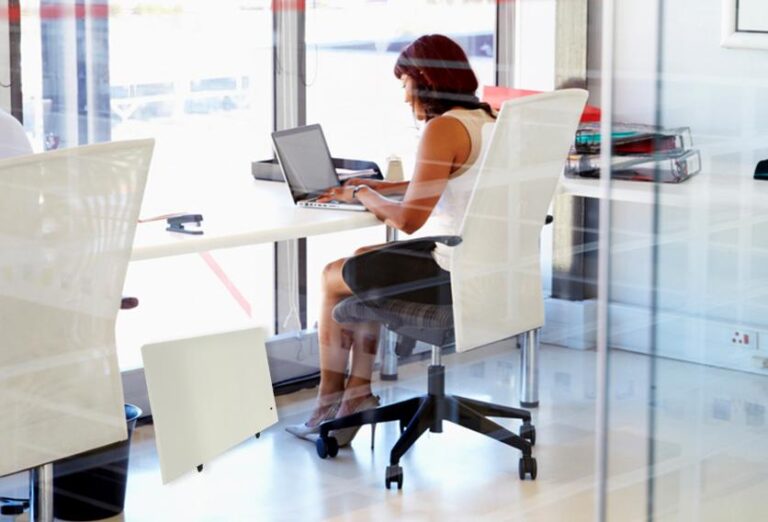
x,y
709,373
689,284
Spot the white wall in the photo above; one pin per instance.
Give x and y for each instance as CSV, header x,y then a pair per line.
x,y
722,93
716,270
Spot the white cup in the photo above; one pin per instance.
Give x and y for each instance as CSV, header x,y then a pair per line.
x,y
394,169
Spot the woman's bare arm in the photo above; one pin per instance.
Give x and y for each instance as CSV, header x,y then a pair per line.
x,y
383,187
444,147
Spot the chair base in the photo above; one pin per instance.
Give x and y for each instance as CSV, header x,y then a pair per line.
x,y
427,413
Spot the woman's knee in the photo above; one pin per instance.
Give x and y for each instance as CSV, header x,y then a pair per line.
x,y
368,248
333,281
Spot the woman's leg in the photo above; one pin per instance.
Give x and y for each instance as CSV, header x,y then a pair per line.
x,y
366,340
334,342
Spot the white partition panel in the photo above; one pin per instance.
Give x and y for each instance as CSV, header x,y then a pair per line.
x,y
207,394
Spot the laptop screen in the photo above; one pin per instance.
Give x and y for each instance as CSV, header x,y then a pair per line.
x,y
305,160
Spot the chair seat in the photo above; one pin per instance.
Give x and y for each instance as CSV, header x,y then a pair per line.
x,y
429,323
394,313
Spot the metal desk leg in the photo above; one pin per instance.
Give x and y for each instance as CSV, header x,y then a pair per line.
x,y
529,369
41,494
388,370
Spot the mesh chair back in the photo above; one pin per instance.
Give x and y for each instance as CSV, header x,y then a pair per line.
x,y
495,271
67,221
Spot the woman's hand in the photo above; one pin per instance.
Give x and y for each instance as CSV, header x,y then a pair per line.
x,y
383,187
375,184
342,194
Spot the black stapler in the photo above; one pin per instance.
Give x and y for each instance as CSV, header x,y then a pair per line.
x,y
761,171
176,223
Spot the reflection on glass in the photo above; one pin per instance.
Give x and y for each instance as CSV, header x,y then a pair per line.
x,y
689,278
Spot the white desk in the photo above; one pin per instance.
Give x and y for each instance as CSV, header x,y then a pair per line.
x,y
249,212
734,188
242,212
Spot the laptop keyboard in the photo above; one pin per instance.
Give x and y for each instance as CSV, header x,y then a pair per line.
x,y
326,204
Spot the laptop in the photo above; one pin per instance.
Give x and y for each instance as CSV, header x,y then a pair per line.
x,y
306,164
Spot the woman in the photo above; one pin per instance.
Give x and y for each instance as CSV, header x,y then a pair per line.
x,y
440,88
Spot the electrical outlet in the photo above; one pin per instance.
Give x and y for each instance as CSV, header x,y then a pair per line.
x,y
744,338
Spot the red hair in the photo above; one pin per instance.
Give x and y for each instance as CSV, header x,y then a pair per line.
x,y
442,75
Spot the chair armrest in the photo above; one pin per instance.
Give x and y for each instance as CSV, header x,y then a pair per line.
x,y
446,240
128,303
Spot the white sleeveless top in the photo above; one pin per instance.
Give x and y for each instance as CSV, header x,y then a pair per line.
x,y
448,214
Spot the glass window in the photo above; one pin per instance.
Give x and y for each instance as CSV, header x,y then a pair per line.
x,y
194,75
351,89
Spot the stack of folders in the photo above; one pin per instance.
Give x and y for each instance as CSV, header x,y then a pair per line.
x,y
640,153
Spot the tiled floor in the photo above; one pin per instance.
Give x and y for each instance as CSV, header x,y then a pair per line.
x,y
711,454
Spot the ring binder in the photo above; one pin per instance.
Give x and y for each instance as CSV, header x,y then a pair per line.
x,y
640,153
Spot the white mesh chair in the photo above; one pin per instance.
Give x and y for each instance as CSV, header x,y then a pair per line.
x,y
495,278
67,222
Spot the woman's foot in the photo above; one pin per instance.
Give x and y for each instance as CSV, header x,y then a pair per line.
x,y
310,429
356,404
354,395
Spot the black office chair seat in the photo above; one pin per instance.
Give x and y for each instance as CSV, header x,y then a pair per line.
x,y
432,324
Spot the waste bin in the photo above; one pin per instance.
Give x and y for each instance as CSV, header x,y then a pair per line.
x,y
91,485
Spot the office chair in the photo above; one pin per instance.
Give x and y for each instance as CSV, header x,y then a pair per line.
x,y
495,279
67,223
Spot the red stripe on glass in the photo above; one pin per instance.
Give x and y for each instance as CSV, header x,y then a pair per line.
x,y
55,12
289,5
227,282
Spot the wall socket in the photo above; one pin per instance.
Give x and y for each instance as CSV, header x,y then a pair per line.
x,y
744,338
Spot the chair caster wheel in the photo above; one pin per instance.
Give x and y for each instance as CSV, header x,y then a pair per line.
x,y
199,468
327,447
528,432
394,474
258,435
527,465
